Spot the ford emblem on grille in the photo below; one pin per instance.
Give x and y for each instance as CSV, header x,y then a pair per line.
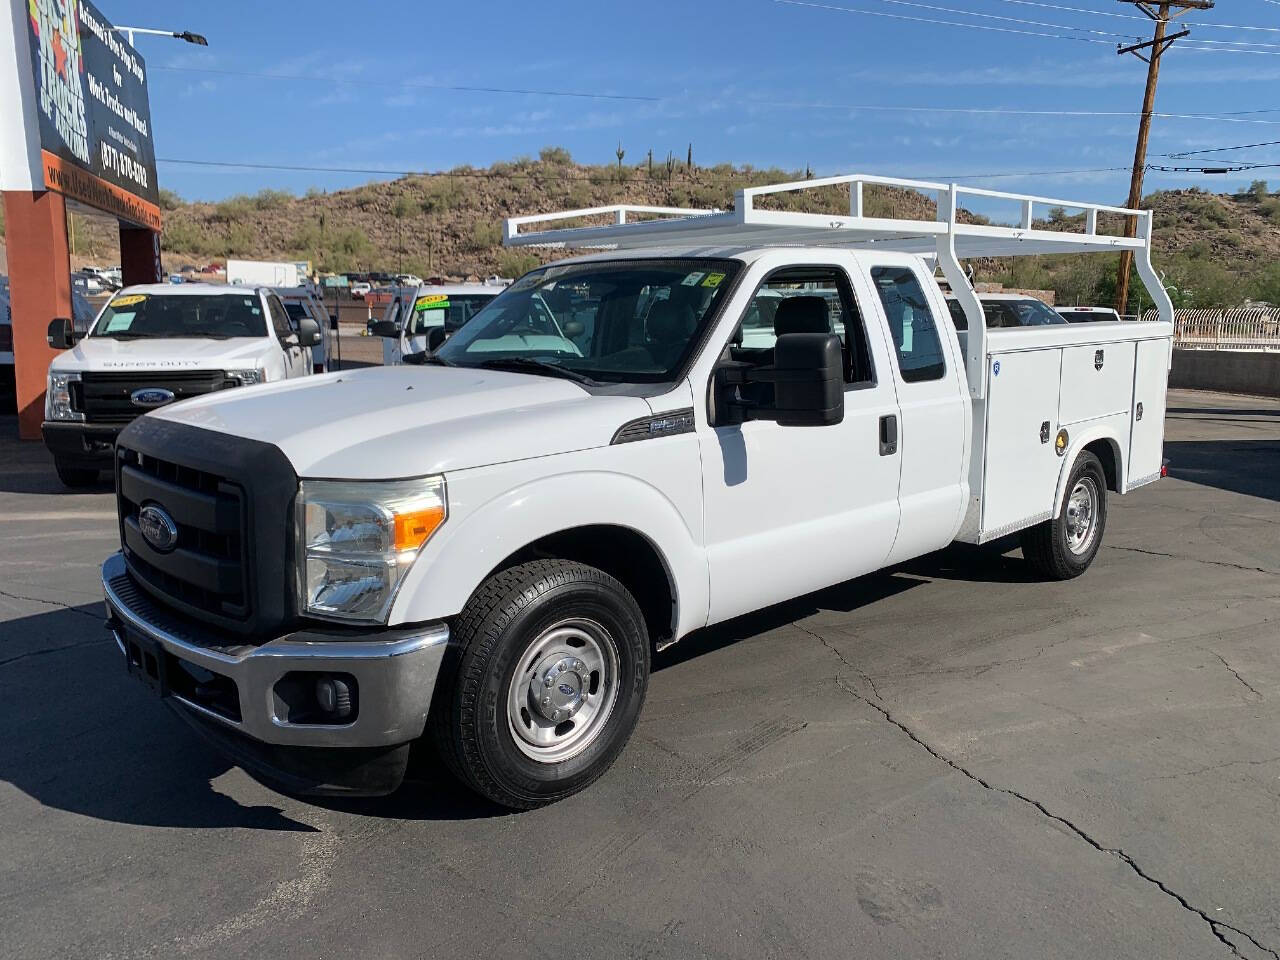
x,y
151,397
157,527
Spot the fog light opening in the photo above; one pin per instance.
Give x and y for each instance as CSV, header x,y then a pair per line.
x,y
333,696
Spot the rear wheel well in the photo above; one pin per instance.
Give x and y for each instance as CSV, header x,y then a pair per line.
x,y
627,556
1106,451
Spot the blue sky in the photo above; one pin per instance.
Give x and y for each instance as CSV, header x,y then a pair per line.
x,y
747,81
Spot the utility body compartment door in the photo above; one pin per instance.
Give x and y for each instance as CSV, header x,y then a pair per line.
x,y
1150,386
1097,381
1020,464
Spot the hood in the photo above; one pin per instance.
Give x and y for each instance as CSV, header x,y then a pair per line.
x,y
383,423
105,353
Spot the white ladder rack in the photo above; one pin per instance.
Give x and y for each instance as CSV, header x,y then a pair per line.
x,y
945,237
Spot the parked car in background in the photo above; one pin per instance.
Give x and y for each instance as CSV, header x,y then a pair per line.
x,y
1088,314
360,288
408,280
152,345
409,323
82,317
1007,310
86,283
302,302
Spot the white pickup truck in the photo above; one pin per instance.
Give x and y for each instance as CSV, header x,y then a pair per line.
x,y
487,548
419,318
153,344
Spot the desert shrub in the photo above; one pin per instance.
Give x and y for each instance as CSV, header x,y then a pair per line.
x,y
485,235
556,156
515,263
169,200
271,199
441,194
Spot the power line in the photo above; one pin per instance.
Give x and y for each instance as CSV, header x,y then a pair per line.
x,y
1183,154
945,23
458,88
994,16
1129,16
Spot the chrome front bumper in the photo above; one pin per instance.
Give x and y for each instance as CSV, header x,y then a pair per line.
x,y
395,670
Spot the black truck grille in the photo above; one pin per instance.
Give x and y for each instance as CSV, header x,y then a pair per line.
x,y
108,397
231,499
207,569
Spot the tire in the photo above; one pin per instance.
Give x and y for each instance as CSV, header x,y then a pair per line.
x,y
549,675
1059,549
75,477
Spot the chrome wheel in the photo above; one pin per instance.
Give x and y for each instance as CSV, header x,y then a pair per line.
x,y
563,691
1082,515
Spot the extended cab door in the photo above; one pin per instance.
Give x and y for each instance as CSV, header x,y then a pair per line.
x,y
791,509
933,435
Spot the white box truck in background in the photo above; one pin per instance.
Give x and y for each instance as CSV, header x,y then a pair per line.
x,y
266,273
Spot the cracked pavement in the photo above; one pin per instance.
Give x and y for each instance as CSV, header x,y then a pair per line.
x,y
947,759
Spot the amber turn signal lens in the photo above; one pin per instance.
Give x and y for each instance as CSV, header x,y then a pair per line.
x,y
413,529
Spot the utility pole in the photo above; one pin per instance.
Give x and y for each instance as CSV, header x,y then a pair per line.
x,y
1162,13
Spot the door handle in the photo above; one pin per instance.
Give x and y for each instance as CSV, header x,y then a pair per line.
x,y
888,434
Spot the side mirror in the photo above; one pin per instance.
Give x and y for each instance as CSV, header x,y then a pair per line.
x,y
384,328
435,338
62,334
333,321
415,359
308,332
808,382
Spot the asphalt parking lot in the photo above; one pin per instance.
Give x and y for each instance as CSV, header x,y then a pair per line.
x,y
948,759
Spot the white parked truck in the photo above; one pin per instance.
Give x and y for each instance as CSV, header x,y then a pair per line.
x,y
487,548
153,344
420,318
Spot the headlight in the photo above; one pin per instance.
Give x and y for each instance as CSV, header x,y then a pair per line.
x,y
248,377
57,397
356,541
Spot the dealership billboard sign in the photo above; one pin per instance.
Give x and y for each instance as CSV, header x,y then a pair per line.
x,y
92,110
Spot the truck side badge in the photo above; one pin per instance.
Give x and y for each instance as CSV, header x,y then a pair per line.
x,y
1044,432
1138,413
1097,359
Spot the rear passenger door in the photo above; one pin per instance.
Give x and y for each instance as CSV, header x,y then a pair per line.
x,y
926,372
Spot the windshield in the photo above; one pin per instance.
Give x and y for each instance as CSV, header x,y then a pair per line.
x,y
144,315
1019,313
634,321
448,310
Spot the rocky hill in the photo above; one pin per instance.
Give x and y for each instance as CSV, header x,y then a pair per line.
x,y
1213,249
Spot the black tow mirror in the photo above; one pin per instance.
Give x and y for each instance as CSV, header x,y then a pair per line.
x,y
807,374
415,359
62,334
384,328
436,337
333,321
308,332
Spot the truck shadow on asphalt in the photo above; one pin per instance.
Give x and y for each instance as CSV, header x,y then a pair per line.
x,y
1251,467
81,736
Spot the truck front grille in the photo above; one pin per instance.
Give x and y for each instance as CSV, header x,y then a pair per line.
x,y
207,570
108,397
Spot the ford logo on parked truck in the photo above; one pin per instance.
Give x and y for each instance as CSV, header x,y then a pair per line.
x,y
151,397
157,527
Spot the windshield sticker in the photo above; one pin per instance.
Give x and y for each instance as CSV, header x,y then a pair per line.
x,y
692,279
128,301
713,280
436,301
120,321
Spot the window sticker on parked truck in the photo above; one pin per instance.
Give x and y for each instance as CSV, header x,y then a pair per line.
x,y
119,322
436,301
127,301
692,279
713,280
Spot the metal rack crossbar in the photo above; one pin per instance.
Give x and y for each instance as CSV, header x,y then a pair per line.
x,y
748,225
945,238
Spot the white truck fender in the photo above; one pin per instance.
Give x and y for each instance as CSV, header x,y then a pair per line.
x,y
468,548
1081,438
